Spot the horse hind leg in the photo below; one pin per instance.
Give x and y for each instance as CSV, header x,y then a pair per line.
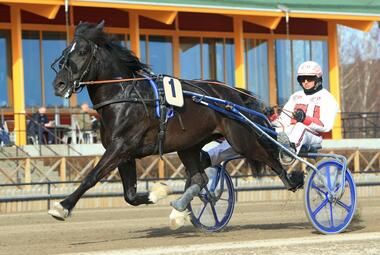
x,y
196,177
252,149
127,171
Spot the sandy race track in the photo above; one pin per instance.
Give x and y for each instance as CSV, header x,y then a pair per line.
x,y
255,228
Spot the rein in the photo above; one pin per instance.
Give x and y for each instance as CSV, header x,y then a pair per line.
x,y
111,81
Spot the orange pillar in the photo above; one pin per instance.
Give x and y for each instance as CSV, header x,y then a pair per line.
x,y
239,53
272,73
18,77
134,32
334,76
176,51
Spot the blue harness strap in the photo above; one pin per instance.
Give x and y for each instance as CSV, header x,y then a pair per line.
x,y
155,91
170,111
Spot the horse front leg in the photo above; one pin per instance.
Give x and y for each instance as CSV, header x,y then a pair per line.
x,y
127,171
109,161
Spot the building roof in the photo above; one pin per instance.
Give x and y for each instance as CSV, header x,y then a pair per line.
x,y
332,7
359,14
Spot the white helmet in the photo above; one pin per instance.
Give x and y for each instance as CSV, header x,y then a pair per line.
x,y
310,68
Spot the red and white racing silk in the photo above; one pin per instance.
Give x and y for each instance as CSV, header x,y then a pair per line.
x,y
320,108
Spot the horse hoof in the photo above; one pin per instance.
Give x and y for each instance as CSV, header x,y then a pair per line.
x,y
178,219
296,179
59,212
159,191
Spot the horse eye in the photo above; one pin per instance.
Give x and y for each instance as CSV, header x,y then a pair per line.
x,y
82,52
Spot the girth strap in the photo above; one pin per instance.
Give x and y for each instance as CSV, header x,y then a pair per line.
x,y
163,122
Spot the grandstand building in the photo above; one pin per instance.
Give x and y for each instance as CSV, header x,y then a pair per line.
x,y
253,44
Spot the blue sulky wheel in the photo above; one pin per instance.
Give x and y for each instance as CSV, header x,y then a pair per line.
x,y
329,215
211,211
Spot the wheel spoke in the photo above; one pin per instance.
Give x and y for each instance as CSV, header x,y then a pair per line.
x,y
328,177
331,215
317,188
214,213
320,207
335,178
203,209
348,208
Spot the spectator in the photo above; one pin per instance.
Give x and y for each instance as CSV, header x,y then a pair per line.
x,y
84,119
4,136
95,128
88,124
37,126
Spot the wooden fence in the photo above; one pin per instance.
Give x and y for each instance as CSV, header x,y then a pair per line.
x,y
73,168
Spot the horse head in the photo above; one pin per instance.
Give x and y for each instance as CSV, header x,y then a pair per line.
x,y
92,55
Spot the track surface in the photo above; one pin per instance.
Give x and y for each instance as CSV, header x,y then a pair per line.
x,y
255,228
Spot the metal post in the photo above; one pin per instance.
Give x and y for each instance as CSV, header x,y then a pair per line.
x,y
49,194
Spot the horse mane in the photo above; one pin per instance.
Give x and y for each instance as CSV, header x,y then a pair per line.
x,y
251,100
94,32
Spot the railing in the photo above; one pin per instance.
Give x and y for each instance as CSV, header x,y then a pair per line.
x,y
361,124
74,168
354,125
49,195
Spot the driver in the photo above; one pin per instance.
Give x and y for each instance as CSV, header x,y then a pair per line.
x,y
307,114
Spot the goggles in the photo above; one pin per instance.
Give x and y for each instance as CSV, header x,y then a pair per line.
x,y
302,78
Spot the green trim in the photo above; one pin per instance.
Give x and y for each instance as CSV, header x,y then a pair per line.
x,y
341,7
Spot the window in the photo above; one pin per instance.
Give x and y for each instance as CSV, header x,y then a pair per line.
x,y
257,73
53,43
32,68
4,67
143,48
293,53
39,51
213,58
207,58
161,54
230,61
190,57
157,51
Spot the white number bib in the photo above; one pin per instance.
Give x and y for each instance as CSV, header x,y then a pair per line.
x,y
173,91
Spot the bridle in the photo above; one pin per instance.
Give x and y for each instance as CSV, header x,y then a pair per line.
x,y
64,62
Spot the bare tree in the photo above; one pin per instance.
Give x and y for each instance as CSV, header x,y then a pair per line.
x,y
360,70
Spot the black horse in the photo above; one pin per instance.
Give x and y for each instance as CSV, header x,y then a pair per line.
x,y
129,127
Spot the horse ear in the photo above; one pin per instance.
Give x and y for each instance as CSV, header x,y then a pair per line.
x,y
100,26
80,22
